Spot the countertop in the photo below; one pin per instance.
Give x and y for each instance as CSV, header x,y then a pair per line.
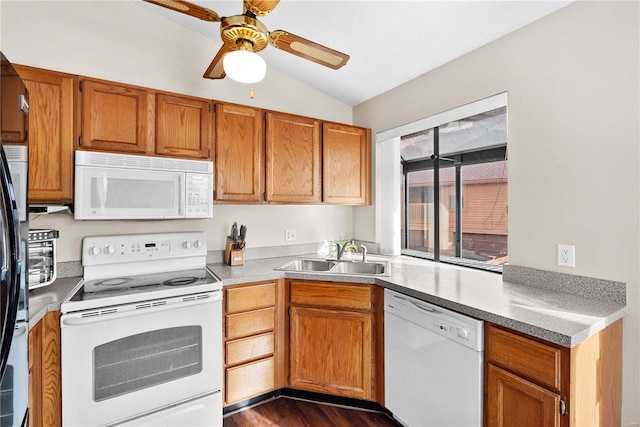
x,y
555,315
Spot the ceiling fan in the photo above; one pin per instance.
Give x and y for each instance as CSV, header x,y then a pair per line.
x,y
244,35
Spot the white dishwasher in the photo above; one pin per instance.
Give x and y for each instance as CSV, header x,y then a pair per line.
x,y
433,364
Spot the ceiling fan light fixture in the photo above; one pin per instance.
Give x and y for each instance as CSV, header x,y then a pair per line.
x,y
244,65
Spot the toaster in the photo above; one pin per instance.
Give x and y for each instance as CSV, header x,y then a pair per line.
x,y
42,257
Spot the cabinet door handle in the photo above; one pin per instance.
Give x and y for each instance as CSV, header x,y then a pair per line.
x,y
563,406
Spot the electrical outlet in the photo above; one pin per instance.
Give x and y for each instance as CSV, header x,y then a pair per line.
x,y
290,235
566,256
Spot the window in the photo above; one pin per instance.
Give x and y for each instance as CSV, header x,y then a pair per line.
x,y
440,165
453,197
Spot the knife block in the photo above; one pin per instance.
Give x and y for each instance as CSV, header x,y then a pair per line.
x,y
233,256
237,257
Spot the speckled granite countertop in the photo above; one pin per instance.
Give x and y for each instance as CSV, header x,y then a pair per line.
x,y
563,309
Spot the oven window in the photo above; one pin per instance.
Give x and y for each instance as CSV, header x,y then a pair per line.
x,y
144,360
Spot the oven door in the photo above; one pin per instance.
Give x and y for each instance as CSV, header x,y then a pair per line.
x,y
114,193
140,359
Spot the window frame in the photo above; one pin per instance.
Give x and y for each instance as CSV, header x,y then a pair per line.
x,y
457,160
388,176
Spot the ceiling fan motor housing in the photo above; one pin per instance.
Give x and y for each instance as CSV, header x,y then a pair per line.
x,y
237,29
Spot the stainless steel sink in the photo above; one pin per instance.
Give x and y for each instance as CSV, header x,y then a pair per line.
x,y
308,265
369,268
375,268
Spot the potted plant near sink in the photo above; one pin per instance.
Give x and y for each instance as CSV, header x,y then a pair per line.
x,y
348,245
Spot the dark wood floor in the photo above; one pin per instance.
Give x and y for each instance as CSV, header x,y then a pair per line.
x,y
287,412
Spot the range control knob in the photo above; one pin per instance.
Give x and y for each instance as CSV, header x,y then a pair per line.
x,y
198,244
186,244
462,333
94,251
110,250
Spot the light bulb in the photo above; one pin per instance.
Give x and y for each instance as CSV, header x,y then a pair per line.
x,y
244,66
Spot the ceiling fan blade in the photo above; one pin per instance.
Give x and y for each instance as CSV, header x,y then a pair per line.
x,y
260,7
215,70
187,8
307,49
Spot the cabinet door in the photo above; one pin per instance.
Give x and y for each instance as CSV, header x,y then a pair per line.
x,y
116,117
346,164
51,134
293,159
184,126
331,352
239,154
13,125
45,398
514,401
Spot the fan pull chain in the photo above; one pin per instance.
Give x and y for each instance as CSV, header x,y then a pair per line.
x,y
251,94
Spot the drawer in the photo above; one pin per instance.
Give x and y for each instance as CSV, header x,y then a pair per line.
x,y
331,295
539,362
251,297
249,348
252,379
251,323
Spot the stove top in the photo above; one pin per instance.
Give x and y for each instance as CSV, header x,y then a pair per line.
x,y
148,267
131,289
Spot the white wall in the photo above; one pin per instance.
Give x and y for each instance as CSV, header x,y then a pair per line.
x,y
121,41
574,133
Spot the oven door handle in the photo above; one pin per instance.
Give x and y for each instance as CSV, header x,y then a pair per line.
x,y
110,313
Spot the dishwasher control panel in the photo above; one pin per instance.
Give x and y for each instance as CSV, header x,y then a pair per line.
x,y
457,327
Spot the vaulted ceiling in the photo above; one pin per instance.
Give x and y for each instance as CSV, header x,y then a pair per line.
x,y
389,42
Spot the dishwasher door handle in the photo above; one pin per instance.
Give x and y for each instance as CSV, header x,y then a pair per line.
x,y
416,305
423,308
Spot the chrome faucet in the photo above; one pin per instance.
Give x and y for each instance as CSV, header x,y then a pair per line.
x,y
364,253
340,251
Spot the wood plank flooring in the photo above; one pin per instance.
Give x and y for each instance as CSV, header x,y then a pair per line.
x,y
288,412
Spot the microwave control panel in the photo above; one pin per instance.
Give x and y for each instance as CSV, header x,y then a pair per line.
x,y
199,195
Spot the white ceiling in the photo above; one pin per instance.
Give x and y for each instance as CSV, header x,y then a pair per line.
x,y
390,42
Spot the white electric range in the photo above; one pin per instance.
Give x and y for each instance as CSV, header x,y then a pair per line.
x,y
142,334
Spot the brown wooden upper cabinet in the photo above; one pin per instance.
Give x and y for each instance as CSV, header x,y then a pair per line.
x,y
184,126
116,117
14,123
346,164
135,120
51,134
294,159
239,154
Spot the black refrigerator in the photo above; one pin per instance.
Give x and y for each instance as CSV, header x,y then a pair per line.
x,y
14,229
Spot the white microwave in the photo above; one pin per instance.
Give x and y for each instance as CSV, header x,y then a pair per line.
x,y
119,186
18,160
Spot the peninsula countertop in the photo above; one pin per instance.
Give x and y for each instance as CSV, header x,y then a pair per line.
x,y
553,313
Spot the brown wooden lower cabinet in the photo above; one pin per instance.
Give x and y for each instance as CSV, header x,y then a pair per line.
x,y
45,398
254,340
331,351
335,339
519,402
530,382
